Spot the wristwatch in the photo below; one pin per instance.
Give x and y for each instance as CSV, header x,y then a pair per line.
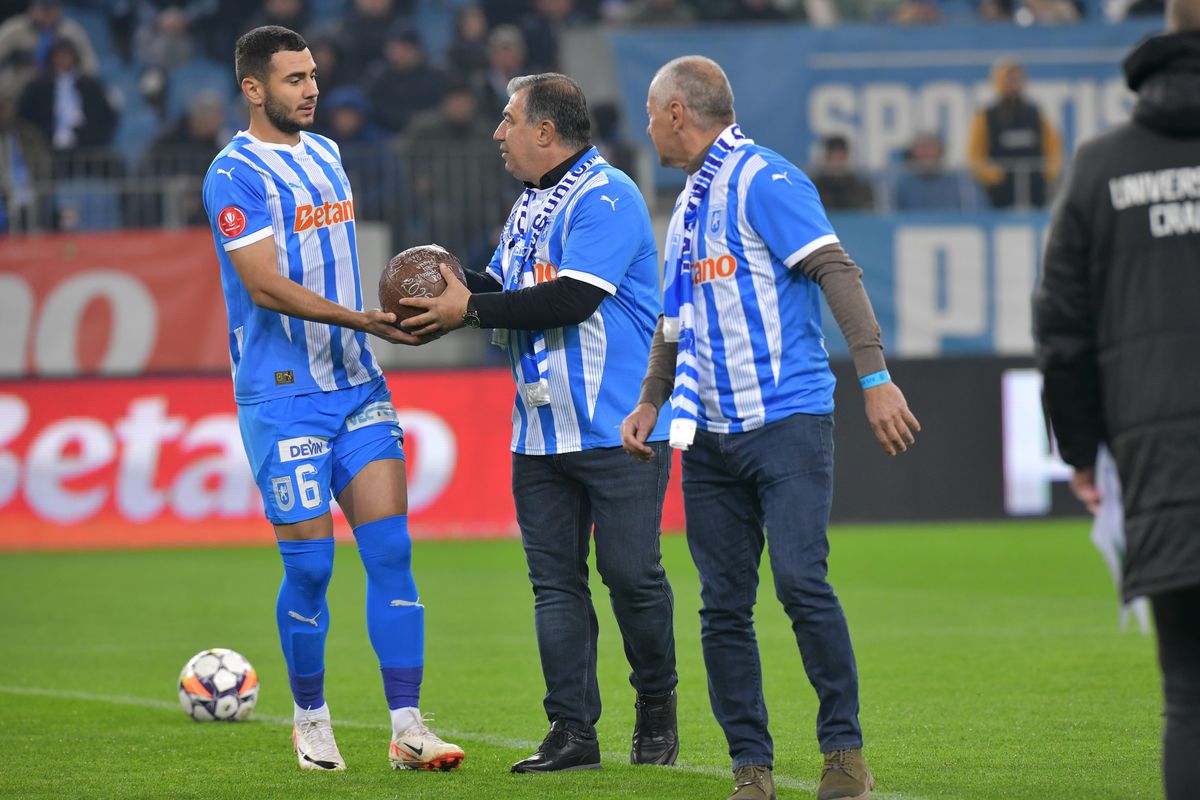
x,y
470,318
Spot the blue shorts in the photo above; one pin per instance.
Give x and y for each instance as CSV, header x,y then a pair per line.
x,y
304,450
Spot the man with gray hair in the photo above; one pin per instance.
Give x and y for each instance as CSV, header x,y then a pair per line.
x,y
572,293
739,351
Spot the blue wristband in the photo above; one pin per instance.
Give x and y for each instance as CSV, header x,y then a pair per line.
x,y
875,378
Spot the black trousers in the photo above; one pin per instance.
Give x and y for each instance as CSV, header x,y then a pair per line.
x,y
1177,619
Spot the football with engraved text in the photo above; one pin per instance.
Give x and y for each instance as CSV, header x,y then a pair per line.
x,y
414,273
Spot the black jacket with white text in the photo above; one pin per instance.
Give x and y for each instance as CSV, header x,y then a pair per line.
x,y
1117,313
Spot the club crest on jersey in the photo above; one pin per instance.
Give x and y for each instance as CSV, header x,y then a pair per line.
x,y
231,221
322,216
716,221
282,488
342,175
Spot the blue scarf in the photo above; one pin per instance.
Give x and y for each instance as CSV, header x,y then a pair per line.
x,y
535,364
678,310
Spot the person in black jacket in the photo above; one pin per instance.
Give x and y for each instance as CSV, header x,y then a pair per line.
x,y
1012,148
1118,330
403,84
838,183
73,112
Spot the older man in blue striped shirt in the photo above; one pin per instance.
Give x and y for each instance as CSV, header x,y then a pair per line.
x,y
572,292
740,353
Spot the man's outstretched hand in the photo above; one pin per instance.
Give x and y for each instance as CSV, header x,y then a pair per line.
x,y
378,322
442,313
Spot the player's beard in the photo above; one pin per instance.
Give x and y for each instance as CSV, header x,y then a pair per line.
x,y
281,116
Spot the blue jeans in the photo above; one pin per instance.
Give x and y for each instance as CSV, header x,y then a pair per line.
x,y
780,476
558,499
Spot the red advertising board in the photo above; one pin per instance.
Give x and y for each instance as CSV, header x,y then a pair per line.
x,y
147,462
111,303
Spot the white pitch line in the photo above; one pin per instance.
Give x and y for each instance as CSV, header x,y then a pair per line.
x,y
472,736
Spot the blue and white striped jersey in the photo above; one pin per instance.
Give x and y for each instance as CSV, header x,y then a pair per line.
x,y
760,352
299,195
600,234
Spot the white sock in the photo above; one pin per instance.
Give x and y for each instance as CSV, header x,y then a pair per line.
x,y
300,714
404,718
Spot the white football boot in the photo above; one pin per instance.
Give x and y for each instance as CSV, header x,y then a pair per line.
x,y
417,747
314,744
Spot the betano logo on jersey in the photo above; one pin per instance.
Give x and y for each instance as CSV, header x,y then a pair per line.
x,y
543,272
706,269
323,216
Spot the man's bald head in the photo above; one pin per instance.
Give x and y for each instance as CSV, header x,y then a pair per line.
x,y
700,85
1183,16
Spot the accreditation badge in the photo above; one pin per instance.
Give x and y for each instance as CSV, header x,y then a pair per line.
x,y
536,393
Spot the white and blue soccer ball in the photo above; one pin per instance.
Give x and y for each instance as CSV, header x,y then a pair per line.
x,y
218,684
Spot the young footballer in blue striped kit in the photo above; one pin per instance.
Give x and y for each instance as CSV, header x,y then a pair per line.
x,y
740,354
573,293
315,414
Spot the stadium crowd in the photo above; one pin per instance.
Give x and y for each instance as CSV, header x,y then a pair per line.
x,y
111,111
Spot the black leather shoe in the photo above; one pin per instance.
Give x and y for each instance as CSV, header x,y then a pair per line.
x,y
656,732
562,750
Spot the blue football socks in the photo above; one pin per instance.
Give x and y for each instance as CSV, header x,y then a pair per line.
x,y
395,616
303,616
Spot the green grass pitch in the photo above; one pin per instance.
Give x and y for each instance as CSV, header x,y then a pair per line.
x,y
990,661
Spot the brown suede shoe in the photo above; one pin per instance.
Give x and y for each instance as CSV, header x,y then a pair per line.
x,y
845,777
753,783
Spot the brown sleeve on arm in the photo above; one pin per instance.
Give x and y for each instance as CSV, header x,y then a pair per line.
x,y
660,374
840,279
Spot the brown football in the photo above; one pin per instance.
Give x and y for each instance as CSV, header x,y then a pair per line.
x,y
414,273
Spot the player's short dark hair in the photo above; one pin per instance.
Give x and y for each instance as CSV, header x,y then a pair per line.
x,y
559,99
252,54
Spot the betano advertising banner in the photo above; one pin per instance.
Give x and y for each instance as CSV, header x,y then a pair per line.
x,y
111,304
880,85
151,462
159,462
151,303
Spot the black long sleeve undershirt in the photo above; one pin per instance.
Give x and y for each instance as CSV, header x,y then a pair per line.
x,y
553,304
479,282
